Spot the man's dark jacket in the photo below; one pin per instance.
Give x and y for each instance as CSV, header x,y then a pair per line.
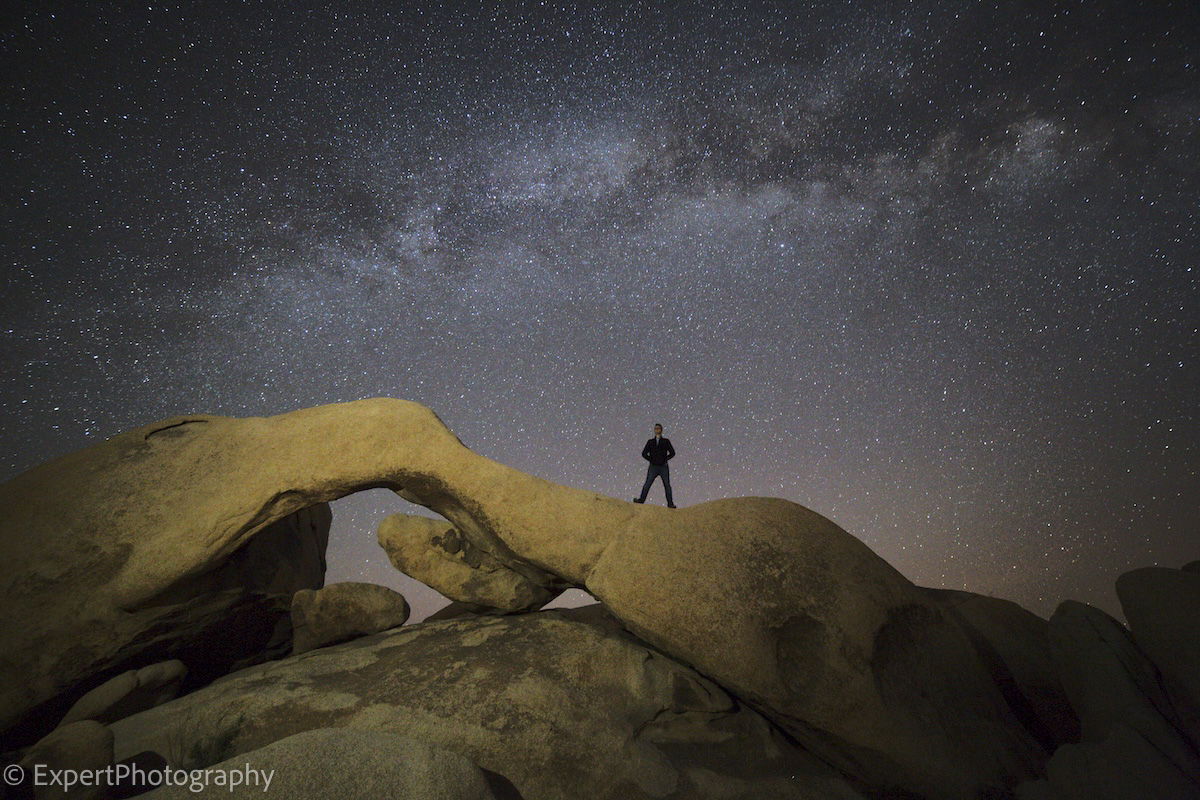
x,y
660,452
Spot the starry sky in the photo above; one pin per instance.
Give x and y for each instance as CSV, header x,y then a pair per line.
x,y
927,268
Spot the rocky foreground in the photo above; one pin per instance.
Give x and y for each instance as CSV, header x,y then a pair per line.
x,y
164,606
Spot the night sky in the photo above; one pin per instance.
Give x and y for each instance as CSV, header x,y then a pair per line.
x,y
929,269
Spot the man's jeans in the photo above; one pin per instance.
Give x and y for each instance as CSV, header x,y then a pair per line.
x,y
652,472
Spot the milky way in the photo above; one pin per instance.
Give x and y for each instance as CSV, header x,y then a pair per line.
x,y
930,271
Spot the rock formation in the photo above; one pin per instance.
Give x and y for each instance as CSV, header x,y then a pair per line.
x,y
823,651
68,527
1162,606
1014,644
129,693
772,600
563,703
1132,742
435,553
343,611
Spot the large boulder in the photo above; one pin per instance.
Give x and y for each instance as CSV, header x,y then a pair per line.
x,y
129,693
344,611
1109,680
1015,645
774,601
1130,741
1163,609
435,553
563,703
342,762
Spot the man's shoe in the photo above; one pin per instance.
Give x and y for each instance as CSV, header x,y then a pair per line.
x,y
670,506
637,500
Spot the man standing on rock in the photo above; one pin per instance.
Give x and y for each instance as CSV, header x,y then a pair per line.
x,y
658,451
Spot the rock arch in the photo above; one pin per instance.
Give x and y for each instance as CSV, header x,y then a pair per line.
x,y
90,540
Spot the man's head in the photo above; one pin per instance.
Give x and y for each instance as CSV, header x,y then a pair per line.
x,y
657,429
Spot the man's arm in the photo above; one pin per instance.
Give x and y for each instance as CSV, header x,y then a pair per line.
x,y
670,450
646,450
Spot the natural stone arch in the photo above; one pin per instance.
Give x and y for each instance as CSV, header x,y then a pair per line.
x,y
91,539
